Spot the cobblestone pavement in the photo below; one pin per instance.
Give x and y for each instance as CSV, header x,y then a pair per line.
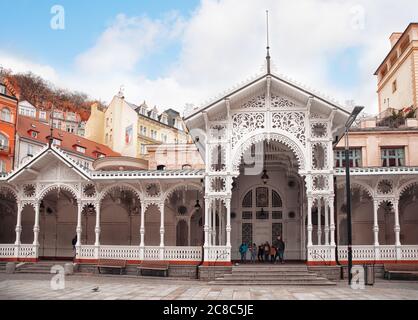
x,y
29,286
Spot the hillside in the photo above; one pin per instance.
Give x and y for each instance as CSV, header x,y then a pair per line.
x,y
43,94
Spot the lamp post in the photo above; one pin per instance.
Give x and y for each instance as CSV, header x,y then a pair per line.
x,y
356,111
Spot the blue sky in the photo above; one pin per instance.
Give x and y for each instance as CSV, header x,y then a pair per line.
x,y
171,53
29,33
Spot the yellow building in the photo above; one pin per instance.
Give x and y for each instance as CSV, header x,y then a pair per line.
x,y
128,128
398,73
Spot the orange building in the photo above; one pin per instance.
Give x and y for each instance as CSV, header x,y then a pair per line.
x,y
8,108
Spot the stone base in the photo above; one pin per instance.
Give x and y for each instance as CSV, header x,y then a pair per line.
x,y
379,271
176,271
332,273
10,267
210,273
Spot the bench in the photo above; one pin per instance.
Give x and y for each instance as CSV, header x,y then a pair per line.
x,y
111,264
401,271
159,266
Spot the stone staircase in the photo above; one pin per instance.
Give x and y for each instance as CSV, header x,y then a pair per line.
x,y
260,274
42,267
3,266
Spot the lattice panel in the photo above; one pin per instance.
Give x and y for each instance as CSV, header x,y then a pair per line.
x,y
291,122
244,123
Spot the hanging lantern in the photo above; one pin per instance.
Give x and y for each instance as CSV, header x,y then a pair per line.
x,y
265,176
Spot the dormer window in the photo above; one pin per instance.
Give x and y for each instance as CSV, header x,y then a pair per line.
x,y
164,119
34,134
80,149
2,89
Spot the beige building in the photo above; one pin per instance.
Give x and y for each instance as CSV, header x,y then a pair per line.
x,y
398,73
129,129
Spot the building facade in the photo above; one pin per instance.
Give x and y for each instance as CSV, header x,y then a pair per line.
x,y
397,75
68,121
266,161
8,112
32,136
129,129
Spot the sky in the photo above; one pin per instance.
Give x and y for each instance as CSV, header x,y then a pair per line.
x,y
173,53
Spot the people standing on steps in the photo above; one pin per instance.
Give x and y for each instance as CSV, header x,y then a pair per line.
x,y
280,245
266,251
261,253
243,251
253,251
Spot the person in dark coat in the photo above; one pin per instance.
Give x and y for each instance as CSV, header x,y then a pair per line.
x,y
280,245
261,252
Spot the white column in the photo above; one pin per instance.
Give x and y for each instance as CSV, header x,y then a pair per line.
x,y
206,223
162,229
97,228
310,221
332,223
214,224
221,225
142,228
228,222
97,232
397,228
375,222
79,228
36,226
18,223
326,222
319,228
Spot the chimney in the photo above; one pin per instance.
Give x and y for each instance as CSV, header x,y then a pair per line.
x,y
394,38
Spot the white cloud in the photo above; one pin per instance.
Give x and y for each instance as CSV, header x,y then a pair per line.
x,y
20,64
223,42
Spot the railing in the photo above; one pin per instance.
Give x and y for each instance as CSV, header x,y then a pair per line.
x,y
119,252
221,254
152,253
27,251
387,252
7,250
409,253
321,253
86,252
183,253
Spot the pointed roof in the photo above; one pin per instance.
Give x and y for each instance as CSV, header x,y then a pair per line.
x,y
43,155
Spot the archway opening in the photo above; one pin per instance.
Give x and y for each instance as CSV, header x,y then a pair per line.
x,y
120,217
268,199
183,208
58,223
408,215
8,216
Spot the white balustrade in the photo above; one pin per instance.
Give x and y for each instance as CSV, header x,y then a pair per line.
x,y
219,254
320,253
119,252
27,251
409,253
7,250
183,253
86,252
152,253
387,253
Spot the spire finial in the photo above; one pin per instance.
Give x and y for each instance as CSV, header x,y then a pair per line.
x,y
268,43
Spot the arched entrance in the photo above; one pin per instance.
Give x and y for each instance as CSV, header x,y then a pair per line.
x,y
268,201
58,222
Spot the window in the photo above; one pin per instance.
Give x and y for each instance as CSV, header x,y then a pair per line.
x,y
354,156
29,151
70,128
42,115
71,116
262,203
143,149
186,167
4,142
6,115
394,86
26,111
2,166
58,115
80,149
56,142
34,134
161,167
107,138
2,89
393,157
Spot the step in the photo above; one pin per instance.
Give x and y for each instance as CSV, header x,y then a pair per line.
x,y
276,283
